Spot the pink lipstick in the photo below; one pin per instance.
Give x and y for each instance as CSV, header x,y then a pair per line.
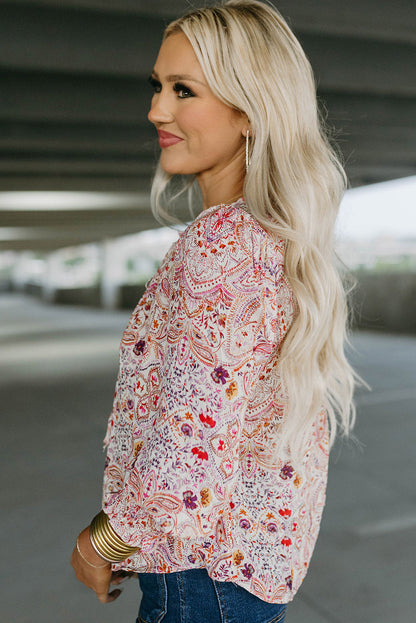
x,y
166,139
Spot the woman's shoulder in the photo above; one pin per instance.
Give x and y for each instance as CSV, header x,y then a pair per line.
x,y
225,216
228,225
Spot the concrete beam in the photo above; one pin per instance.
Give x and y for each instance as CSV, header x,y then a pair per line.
x,y
390,21
53,222
62,165
385,20
47,137
362,174
364,66
369,145
47,238
33,96
69,100
57,39
64,41
348,110
97,218
96,183
394,115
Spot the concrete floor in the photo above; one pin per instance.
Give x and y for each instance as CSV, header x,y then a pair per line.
x,y
58,367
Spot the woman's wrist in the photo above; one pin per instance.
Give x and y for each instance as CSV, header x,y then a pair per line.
x,y
87,552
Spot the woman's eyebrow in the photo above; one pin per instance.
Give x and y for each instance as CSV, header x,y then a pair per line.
x,y
178,77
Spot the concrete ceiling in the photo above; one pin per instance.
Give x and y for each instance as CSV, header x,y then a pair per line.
x,y
74,99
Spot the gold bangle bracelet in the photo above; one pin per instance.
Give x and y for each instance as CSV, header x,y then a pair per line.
x,y
106,541
111,546
102,548
113,539
99,551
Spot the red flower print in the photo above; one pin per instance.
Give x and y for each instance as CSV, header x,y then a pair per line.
x,y
286,542
200,453
220,375
207,420
285,512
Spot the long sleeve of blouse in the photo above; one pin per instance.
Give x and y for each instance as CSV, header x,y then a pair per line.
x,y
189,477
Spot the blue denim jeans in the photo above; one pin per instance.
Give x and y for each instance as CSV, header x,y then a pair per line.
x,y
192,597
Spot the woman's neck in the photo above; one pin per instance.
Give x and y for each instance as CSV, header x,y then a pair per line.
x,y
223,187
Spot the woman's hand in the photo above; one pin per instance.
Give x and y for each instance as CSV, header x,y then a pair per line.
x,y
97,577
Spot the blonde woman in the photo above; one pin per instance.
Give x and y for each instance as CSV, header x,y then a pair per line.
x,y
233,380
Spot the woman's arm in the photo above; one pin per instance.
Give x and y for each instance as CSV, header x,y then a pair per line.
x,y
93,569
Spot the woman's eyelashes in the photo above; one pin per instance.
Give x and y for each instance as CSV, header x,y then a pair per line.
x,y
180,89
155,84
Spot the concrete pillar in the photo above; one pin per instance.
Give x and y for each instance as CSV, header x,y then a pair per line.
x,y
112,272
19,275
51,276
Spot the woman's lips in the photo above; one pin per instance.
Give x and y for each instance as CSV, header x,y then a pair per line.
x,y
166,139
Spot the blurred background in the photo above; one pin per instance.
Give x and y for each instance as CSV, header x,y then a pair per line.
x,y
78,243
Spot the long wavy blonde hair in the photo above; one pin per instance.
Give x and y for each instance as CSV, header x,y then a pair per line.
x,y
253,62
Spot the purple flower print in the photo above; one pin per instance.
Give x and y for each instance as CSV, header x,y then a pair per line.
x,y
286,472
271,527
139,347
289,582
220,375
130,403
189,499
245,524
186,430
247,571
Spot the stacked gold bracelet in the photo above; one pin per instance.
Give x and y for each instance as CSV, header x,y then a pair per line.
x,y
106,542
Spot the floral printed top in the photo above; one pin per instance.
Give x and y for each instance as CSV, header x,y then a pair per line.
x,y
189,477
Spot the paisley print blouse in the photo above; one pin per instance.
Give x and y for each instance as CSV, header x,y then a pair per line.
x,y
189,476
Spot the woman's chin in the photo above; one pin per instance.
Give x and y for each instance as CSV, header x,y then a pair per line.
x,y
173,162
175,169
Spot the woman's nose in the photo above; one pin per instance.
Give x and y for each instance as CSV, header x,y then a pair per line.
x,y
159,110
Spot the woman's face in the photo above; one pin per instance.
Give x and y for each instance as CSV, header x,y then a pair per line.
x,y
198,133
